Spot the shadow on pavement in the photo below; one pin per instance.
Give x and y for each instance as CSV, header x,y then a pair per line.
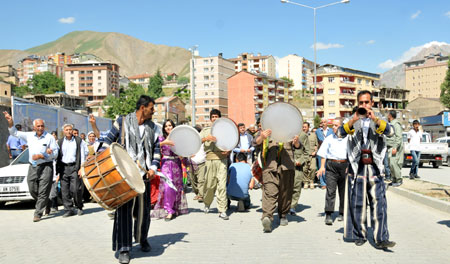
x,y
159,244
340,230
19,205
444,222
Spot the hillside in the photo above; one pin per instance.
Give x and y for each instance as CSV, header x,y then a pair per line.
x,y
396,76
134,56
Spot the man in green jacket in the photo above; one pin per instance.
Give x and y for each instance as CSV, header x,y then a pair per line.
x,y
301,158
395,149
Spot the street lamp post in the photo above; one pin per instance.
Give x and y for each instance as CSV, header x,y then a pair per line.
x,y
192,50
315,56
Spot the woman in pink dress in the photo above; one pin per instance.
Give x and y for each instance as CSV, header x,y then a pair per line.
x,y
170,203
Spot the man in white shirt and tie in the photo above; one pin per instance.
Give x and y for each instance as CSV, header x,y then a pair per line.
x,y
42,151
73,152
333,154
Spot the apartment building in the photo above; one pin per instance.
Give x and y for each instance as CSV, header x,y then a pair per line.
x,y
337,88
423,78
255,64
210,82
249,94
32,65
141,79
92,79
298,69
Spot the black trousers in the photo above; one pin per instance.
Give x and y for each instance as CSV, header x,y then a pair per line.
x,y
139,209
335,178
40,183
71,187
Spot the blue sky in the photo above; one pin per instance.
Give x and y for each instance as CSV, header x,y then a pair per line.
x,y
370,35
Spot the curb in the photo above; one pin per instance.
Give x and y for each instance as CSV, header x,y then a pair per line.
x,y
420,198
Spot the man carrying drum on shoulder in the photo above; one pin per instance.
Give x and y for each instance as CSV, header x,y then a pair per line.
x,y
216,170
278,176
140,136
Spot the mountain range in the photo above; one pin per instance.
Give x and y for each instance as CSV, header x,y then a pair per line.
x,y
134,56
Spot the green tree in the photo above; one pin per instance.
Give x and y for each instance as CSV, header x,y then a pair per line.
x,y
183,80
46,83
169,78
290,81
155,85
125,103
445,88
20,91
317,120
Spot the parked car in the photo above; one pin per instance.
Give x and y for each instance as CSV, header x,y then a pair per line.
x,y
430,153
13,180
445,158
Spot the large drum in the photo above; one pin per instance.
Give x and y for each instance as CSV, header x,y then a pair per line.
x,y
284,119
112,177
186,139
226,133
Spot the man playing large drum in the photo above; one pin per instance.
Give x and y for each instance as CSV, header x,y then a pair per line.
x,y
140,135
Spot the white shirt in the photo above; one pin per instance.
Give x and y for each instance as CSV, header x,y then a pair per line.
x,y
244,141
365,126
333,148
415,138
37,145
69,150
200,156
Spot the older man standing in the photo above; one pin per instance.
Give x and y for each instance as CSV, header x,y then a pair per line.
x,y
244,145
42,151
395,149
73,152
323,132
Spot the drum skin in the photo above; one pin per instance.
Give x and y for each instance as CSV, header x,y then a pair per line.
x,y
186,139
107,182
284,119
226,133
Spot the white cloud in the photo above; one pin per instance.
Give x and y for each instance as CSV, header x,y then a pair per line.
x,y
370,42
407,55
66,20
415,15
323,46
447,14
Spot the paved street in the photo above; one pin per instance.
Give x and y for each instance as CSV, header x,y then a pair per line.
x,y
422,234
440,175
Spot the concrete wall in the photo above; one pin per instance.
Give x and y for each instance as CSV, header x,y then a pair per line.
x,y
4,134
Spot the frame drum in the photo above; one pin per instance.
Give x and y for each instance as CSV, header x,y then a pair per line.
x,y
226,133
284,119
186,139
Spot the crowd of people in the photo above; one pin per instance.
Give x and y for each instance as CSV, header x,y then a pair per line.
x,y
354,158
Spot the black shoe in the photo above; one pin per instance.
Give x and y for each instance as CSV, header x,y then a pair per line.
x,y
416,176
328,220
68,213
385,244
360,242
145,246
292,212
411,176
124,257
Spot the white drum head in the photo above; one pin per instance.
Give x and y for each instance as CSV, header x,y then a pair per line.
x,y
127,168
186,139
226,133
284,119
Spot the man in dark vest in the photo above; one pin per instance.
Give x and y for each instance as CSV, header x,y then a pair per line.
x,y
73,152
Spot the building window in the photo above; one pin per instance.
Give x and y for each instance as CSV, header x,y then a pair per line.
x,y
212,77
206,101
6,92
359,80
206,86
72,91
81,72
212,101
71,78
207,110
331,91
99,77
205,69
331,103
71,85
89,72
211,85
99,71
206,78
82,78
99,84
212,68
82,85
205,61
99,90
332,115
330,79
71,72
367,82
212,93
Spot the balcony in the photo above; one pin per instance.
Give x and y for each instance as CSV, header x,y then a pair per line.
x,y
345,107
258,91
271,85
259,109
348,83
271,93
258,83
280,88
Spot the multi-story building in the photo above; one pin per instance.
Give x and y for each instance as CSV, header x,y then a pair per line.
x,y
423,78
210,80
255,64
32,65
249,94
337,88
141,79
394,99
94,80
60,59
298,69
8,80
169,108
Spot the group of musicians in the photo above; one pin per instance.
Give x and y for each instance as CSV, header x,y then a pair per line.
x,y
364,134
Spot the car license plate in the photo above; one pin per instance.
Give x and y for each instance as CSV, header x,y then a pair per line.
x,y
10,189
